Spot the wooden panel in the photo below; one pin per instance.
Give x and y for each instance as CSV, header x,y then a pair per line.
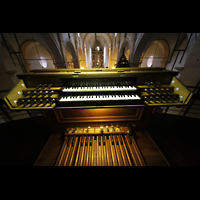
x,y
98,115
181,90
15,94
32,81
143,75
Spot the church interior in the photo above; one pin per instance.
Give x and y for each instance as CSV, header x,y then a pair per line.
x,y
99,99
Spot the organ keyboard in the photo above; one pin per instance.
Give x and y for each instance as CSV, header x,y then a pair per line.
x,y
76,102
100,89
99,98
68,88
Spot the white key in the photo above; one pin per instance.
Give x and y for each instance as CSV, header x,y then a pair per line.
x,y
85,98
78,98
110,97
100,88
100,98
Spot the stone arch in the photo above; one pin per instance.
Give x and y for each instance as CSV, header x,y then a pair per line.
x,y
69,59
32,58
156,54
70,48
106,36
81,54
143,40
141,43
54,48
81,58
125,43
114,58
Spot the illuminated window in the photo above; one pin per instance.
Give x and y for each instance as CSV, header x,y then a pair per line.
x,y
115,34
97,48
43,62
150,61
78,34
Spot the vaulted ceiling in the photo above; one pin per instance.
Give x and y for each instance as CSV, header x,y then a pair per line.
x,y
104,38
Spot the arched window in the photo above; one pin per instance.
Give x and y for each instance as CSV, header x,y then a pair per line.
x,y
43,62
155,55
37,56
150,61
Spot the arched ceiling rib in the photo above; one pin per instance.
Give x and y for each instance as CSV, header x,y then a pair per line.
x,y
89,37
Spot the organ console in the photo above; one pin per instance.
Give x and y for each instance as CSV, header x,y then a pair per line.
x,y
98,109
96,88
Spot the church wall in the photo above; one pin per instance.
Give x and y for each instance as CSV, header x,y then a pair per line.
x,y
11,69
170,38
32,54
5,78
190,75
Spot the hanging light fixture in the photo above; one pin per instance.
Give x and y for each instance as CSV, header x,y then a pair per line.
x,y
97,48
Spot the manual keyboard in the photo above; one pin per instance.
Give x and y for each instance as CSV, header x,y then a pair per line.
x,y
98,98
99,89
